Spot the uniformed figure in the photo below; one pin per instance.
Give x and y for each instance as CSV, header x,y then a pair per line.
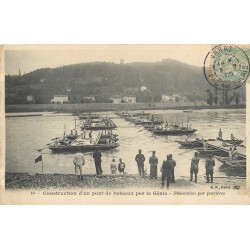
x,y
98,161
166,172
79,161
113,167
230,154
210,163
121,166
235,154
194,168
140,158
173,164
153,161
232,137
220,134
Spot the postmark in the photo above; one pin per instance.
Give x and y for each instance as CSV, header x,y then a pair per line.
x,y
226,65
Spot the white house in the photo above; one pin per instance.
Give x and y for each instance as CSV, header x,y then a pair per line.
x,y
89,98
129,99
30,98
143,88
167,98
60,98
170,98
116,99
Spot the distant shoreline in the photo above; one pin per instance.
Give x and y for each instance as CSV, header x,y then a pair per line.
x,y
102,107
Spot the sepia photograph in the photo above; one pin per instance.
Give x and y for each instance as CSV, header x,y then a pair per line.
x,y
124,124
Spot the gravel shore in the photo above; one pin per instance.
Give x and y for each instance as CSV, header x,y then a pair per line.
x,y
24,181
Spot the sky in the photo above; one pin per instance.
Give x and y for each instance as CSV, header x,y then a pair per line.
x,y
31,57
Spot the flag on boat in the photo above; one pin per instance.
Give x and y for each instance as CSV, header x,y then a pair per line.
x,y
39,158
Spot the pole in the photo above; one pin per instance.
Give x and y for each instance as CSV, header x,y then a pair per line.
x,y
223,94
75,123
42,166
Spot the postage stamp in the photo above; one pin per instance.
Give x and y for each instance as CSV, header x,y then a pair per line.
x,y
124,124
228,66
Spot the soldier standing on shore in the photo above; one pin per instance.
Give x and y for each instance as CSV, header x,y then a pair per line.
x,y
173,164
194,167
121,166
140,158
113,167
98,161
79,161
153,161
210,163
166,172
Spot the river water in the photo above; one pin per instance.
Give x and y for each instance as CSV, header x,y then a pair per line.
x,y
25,135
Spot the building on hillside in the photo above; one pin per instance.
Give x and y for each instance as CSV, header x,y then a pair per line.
x,y
30,98
170,98
121,61
143,88
129,99
116,99
60,99
89,99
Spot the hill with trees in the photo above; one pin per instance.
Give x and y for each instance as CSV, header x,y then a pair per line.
x,y
103,80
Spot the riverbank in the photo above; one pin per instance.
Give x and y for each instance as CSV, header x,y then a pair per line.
x,y
24,181
98,107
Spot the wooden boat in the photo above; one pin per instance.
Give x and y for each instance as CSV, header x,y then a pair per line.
x,y
204,152
232,162
147,122
174,131
83,144
191,144
71,137
108,137
98,126
86,116
188,111
232,168
218,145
83,148
233,142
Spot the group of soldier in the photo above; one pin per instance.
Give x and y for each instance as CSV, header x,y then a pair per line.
x,y
167,168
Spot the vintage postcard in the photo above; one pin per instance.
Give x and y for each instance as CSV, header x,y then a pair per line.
x,y
124,124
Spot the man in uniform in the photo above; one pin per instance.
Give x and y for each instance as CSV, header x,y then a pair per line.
x,y
98,161
166,172
153,161
140,158
210,163
194,169
173,164
220,134
121,166
79,161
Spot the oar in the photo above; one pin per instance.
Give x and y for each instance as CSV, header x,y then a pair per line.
x,y
88,153
140,130
55,138
42,148
186,151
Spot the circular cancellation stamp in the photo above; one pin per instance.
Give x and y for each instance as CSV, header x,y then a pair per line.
x,y
226,65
